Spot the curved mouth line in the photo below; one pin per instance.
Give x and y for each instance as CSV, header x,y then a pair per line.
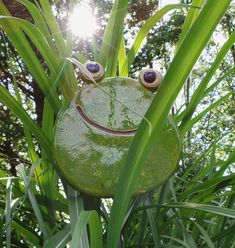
x,y
102,128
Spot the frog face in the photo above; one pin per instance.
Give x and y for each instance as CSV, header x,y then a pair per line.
x,y
93,135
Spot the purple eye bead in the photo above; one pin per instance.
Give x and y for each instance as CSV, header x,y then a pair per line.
x,y
150,76
93,67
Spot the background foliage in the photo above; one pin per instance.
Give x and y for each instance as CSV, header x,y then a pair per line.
x,y
195,208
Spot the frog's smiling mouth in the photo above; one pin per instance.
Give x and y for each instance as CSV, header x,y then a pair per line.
x,y
96,125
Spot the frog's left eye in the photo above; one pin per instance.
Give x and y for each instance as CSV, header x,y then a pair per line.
x,y
96,71
150,78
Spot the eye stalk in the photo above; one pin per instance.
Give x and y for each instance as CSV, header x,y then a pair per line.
x,y
96,71
150,79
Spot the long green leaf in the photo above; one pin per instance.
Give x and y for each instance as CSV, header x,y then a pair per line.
x,y
152,223
182,64
1,231
180,228
108,55
190,18
24,49
34,158
60,239
25,231
48,179
205,235
192,122
33,201
8,213
35,36
226,233
54,27
183,244
76,207
208,208
122,53
189,205
215,183
149,24
39,22
52,60
179,221
226,75
68,82
178,118
225,164
92,218
201,88
18,110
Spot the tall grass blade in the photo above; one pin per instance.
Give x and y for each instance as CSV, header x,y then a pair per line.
x,y
24,49
197,118
8,212
75,209
201,88
39,22
1,230
68,82
179,228
178,118
143,226
48,180
190,18
229,73
225,233
54,63
182,243
122,54
34,158
92,218
205,235
60,239
182,64
149,24
189,239
203,207
24,230
109,50
33,201
179,221
152,224
214,183
53,26
35,36
225,164
10,102
229,204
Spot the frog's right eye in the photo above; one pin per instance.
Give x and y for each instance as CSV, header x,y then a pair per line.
x,y
95,70
150,79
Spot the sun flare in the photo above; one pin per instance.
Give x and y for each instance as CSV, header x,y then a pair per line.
x,y
82,21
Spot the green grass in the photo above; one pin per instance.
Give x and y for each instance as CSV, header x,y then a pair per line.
x,y
191,209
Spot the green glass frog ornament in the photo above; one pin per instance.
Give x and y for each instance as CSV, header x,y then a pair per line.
x,y
93,135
